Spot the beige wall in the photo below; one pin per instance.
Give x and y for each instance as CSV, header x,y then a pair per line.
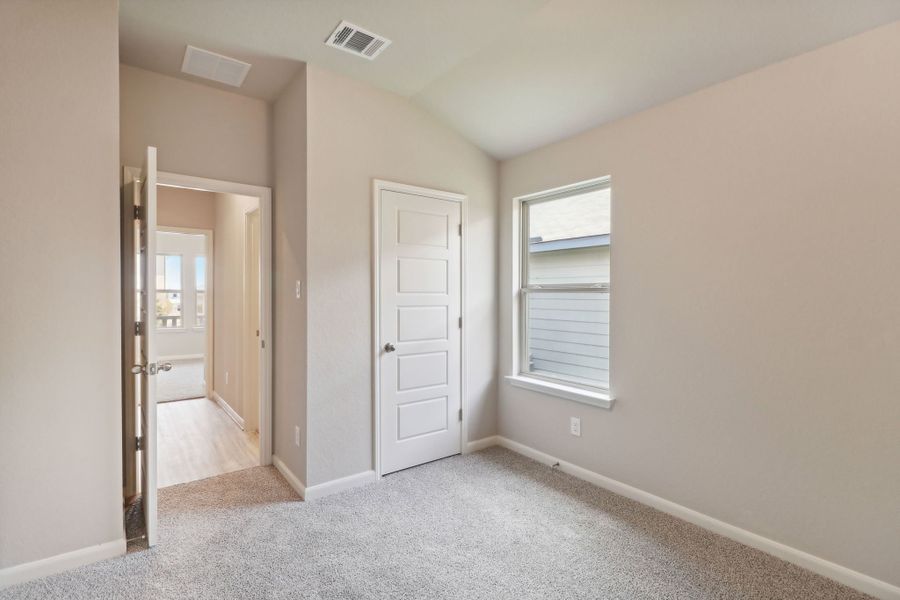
x,y
228,296
180,207
289,239
355,134
754,303
60,382
199,130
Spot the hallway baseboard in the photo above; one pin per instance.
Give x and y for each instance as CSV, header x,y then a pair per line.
x,y
228,410
61,562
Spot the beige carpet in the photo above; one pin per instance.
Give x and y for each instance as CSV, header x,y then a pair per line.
x,y
490,525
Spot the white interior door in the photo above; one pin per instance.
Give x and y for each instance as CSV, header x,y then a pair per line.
x,y
147,366
419,327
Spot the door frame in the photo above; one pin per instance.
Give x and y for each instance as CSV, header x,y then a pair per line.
x,y
265,276
246,292
208,234
378,186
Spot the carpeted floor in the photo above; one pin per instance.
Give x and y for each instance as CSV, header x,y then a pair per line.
x,y
490,525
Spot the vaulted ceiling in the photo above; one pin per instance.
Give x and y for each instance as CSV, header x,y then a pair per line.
x,y
510,75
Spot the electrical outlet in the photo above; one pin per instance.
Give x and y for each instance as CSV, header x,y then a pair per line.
x,y
575,426
297,435
299,289
226,377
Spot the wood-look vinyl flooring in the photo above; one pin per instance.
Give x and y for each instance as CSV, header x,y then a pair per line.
x,y
197,439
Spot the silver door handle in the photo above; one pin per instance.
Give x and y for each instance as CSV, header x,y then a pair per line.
x,y
153,368
389,347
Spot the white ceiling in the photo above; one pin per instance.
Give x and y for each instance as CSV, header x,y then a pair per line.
x,y
510,75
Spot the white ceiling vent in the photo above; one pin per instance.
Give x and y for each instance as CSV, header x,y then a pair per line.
x,y
210,65
356,40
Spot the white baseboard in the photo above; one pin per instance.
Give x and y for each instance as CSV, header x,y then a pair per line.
x,y
228,410
854,579
292,479
485,442
314,492
61,562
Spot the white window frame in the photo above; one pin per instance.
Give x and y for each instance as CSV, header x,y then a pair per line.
x,y
168,291
555,386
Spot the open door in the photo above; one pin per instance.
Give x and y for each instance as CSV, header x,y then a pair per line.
x,y
145,368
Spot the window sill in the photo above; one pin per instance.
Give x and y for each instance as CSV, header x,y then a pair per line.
x,y
599,399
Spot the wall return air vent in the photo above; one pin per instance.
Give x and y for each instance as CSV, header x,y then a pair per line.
x,y
209,65
356,40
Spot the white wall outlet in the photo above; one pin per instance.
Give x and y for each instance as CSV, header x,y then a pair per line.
x,y
297,435
299,289
575,426
226,377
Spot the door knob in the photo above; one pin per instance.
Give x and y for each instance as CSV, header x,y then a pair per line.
x,y
166,366
389,347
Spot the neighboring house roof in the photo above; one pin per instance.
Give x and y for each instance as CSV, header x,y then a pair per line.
x,y
590,241
584,218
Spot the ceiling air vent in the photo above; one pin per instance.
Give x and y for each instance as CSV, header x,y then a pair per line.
x,y
355,40
209,65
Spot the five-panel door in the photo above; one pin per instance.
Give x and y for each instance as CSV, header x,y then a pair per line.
x,y
420,329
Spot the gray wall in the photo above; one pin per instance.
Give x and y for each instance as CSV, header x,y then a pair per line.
x,y
198,130
60,382
755,313
402,143
289,223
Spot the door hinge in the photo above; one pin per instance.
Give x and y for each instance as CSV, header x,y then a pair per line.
x,y
138,212
139,443
262,344
138,328
460,229
460,414
460,322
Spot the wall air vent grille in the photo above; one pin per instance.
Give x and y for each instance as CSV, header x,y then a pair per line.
x,y
355,40
209,65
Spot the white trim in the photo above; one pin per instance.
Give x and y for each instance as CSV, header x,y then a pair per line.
x,y
314,492
265,207
598,399
379,185
292,479
227,408
485,442
859,581
61,562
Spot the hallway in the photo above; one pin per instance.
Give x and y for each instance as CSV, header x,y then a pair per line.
x,y
197,439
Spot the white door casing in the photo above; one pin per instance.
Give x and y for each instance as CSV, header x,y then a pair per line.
x,y
419,327
148,358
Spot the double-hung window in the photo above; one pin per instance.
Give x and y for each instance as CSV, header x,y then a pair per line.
x,y
169,295
565,286
200,288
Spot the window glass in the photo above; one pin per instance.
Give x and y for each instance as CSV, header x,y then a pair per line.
x,y
565,287
168,291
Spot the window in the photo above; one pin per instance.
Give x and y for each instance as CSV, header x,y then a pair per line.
x,y
168,291
564,288
200,287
